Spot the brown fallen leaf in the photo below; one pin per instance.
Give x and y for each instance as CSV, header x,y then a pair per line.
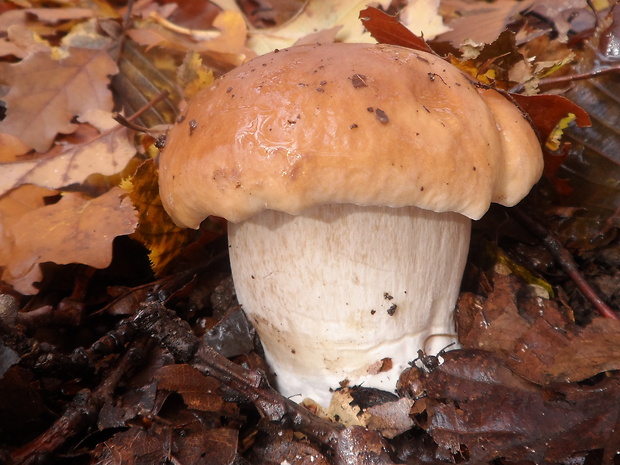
x,y
45,15
535,337
475,407
388,30
183,444
226,42
13,206
74,230
46,94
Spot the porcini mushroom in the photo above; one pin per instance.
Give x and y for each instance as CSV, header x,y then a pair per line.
x,y
349,174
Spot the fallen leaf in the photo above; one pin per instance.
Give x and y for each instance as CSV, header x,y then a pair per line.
x,y
388,30
475,406
46,94
45,15
156,230
13,206
74,230
480,22
546,111
87,152
226,42
199,392
534,337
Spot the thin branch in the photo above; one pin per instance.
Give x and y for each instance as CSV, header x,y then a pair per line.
x,y
564,258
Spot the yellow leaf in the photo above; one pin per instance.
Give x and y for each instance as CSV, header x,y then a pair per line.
x,y
553,141
156,230
193,75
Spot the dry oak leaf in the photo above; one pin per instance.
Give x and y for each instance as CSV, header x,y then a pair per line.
x,y
26,16
74,230
475,403
13,206
535,337
86,152
46,94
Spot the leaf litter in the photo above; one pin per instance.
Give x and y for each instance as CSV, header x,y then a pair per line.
x,y
138,382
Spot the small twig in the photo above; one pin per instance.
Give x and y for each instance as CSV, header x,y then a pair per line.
x,y
564,258
554,81
273,405
129,121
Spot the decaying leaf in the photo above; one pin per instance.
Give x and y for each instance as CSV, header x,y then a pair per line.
x,y
384,413
74,230
193,75
475,407
46,94
536,338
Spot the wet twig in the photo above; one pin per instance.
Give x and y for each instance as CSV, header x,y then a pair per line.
x,y
564,258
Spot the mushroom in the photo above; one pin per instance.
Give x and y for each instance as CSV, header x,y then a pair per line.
x,y
349,175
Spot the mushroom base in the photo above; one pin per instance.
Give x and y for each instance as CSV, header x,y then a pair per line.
x,y
348,294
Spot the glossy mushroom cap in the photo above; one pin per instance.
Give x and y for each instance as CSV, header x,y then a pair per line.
x,y
360,124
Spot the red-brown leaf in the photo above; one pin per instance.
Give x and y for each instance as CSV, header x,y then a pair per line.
x,y
387,30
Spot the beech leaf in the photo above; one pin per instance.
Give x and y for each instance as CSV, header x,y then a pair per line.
x,y
46,94
74,230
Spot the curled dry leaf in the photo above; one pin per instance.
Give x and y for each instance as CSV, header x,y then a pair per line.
x,y
388,30
74,230
46,94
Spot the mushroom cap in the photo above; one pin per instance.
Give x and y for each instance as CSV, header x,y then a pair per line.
x,y
365,124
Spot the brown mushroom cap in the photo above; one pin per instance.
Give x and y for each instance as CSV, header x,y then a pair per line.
x,y
346,123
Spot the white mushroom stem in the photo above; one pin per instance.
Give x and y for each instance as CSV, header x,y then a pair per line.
x,y
343,292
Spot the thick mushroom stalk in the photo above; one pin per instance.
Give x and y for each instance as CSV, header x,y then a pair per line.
x,y
343,294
